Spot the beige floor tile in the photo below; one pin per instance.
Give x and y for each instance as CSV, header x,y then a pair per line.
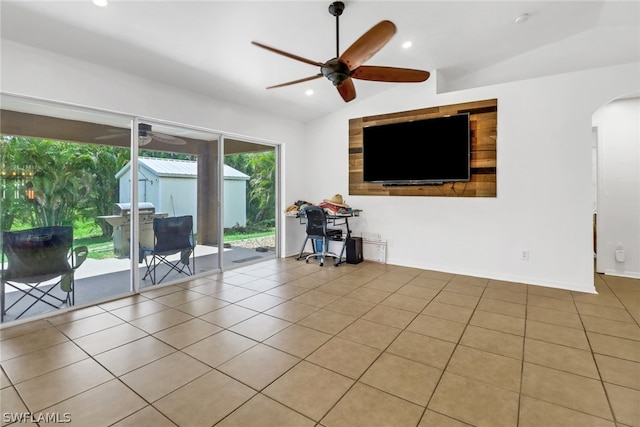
x,y
116,402
474,402
53,387
177,369
260,327
437,328
556,334
107,339
42,361
24,328
258,366
158,291
423,349
261,410
565,389
550,292
74,315
505,295
618,371
146,417
625,404
262,284
554,317
403,378
32,341
211,288
178,298
611,327
12,406
336,287
493,341
498,322
316,298
327,388
187,333
390,316
204,401
405,302
463,288
538,413
502,307
469,280
417,292
218,348
327,321
139,309
613,346
609,300
431,419
234,295
344,357
350,306
89,325
291,311
370,333
367,406
367,294
424,281
297,340
287,291
228,316
448,311
161,320
611,313
4,379
560,357
489,368
201,306
261,302
507,286
131,356
469,301
552,303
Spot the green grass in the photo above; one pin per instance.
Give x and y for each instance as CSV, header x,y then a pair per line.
x,y
233,237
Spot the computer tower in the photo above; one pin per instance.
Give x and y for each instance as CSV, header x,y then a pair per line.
x,y
354,250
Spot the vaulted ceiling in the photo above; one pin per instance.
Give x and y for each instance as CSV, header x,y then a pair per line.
x,y
205,46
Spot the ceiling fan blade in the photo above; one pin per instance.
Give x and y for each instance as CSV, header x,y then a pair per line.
x,y
288,55
116,135
389,74
167,139
306,79
347,90
368,44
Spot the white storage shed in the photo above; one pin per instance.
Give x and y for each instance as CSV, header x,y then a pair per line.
x,y
171,185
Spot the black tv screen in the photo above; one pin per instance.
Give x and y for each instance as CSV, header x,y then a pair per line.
x,y
427,151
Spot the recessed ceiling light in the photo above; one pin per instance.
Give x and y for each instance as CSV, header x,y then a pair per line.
x,y
101,3
309,92
407,44
522,18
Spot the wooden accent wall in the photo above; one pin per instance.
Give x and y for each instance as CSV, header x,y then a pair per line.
x,y
483,122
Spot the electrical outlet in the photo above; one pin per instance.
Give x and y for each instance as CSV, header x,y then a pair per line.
x,y
524,255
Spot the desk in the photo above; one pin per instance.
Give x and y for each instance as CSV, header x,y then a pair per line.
x,y
339,220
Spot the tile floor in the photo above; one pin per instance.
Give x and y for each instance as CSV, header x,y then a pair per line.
x,y
284,343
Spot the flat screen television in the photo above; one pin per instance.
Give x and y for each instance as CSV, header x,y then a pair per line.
x,y
419,152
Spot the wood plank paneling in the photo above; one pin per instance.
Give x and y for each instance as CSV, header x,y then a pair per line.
x,y
483,116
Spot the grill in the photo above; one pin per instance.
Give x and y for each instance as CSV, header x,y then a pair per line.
x,y
121,222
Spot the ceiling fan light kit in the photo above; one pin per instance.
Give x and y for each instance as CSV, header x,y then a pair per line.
x,y
342,69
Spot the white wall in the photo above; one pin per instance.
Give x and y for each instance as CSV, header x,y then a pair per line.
x,y
618,135
544,202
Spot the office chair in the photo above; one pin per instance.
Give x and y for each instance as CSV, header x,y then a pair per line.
x,y
317,230
36,257
172,235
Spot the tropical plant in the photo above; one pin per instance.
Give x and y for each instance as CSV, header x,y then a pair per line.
x,y
261,169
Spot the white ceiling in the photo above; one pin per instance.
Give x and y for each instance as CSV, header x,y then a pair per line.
x,y
205,46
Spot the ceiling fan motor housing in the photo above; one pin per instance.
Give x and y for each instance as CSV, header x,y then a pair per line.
x,y
336,8
336,71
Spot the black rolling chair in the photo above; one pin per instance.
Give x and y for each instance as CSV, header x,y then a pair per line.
x,y
317,230
39,261
173,235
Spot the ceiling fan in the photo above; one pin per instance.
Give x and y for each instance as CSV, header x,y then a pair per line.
x,y
343,68
145,136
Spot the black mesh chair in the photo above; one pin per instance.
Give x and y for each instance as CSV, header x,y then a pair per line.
x,y
318,231
174,247
39,261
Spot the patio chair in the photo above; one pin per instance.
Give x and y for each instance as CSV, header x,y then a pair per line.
x,y
38,261
172,236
